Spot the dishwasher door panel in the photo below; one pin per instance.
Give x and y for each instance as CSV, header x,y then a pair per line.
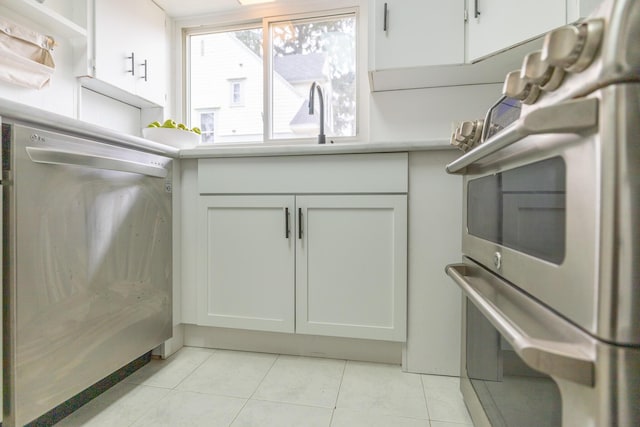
x,y
91,288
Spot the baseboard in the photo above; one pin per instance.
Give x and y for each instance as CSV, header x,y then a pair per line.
x,y
293,344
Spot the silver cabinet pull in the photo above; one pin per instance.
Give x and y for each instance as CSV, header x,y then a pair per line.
x,y
133,64
544,340
286,223
385,19
60,157
145,65
575,116
476,11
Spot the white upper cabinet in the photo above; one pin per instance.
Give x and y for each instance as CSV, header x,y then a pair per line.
x,y
495,25
415,33
129,60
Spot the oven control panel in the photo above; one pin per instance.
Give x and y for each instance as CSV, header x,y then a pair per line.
x,y
501,115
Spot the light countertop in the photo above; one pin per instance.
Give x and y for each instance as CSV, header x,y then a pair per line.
x,y
255,150
56,122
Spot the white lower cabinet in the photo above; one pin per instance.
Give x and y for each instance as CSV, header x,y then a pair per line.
x,y
246,263
351,268
333,265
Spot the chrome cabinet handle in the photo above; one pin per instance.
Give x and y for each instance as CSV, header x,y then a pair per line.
x,y
133,64
476,11
286,223
299,223
544,340
60,157
386,15
575,116
145,65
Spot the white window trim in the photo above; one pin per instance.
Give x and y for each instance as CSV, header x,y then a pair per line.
x,y
250,17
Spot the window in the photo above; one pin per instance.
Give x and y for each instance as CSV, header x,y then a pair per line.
x,y
237,95
227,71
207,126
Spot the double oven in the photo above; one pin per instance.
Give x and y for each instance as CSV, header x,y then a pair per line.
x,y
551,231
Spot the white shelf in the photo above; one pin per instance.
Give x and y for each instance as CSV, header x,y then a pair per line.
x,y
46,19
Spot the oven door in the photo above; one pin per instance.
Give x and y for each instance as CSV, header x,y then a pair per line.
x,y
531,214
524,365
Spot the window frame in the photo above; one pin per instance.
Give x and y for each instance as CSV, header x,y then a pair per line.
x,y
265,22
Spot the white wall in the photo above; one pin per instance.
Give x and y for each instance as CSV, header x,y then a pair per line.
x,y
425,114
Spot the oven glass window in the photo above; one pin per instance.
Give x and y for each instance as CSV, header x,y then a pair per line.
x,y
522,208
510,392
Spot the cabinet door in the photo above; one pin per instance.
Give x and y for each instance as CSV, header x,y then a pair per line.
x,y
246,262
503,23
418,33
351,266
150,50
114,31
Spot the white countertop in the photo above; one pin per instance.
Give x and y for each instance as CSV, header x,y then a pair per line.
x,y
56,122
35,116
255,150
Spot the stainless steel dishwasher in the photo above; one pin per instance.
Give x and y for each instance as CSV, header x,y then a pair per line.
x,y
86,264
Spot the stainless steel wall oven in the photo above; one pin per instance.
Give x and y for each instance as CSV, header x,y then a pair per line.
x,y
551,267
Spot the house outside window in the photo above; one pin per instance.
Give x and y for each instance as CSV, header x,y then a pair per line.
x,y
230,76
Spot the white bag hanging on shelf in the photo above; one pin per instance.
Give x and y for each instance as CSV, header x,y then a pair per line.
x,y
25,56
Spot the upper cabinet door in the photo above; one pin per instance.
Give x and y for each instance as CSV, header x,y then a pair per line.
x,y
495,25
151,58
415,33
114,45
130,49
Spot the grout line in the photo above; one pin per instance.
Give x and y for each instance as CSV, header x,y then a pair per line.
x,y
256,389
194,369
335,404
424,394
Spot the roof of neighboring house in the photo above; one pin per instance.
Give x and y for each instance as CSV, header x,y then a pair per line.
x,y
303,117
301,67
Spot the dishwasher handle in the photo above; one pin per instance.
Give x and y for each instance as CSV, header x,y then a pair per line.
x,y
61,157
562,352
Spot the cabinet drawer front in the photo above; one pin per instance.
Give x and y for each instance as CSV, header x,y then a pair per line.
x,y
351,173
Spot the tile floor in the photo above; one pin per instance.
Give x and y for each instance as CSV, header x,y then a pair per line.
x,y
204,387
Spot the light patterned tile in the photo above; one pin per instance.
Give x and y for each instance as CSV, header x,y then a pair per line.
x,y
353,418
181,408
121,405
302,380
446,424
258,413
382,388
170,372
444,399
229,373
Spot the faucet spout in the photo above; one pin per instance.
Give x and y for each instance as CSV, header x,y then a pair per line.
x,y
315,86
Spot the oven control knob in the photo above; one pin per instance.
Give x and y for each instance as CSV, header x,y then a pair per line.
x,y
541,73
467,135
518,88
573,47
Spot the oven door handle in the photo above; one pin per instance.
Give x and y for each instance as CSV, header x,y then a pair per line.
x,y
61,157
575,116
545,341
